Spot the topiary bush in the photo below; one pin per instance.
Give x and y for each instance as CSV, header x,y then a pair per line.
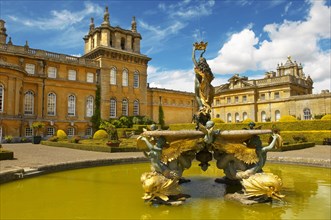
x,y
287,118
61,134
100,134
326,117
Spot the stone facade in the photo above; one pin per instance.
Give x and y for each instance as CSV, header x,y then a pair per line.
x,y
58,89
285,92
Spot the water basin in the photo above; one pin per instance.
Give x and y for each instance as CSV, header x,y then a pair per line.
x,y
114,192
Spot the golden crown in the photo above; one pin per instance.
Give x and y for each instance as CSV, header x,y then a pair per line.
x,y
200,46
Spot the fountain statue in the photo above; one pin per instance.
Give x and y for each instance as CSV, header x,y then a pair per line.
x,y
239,153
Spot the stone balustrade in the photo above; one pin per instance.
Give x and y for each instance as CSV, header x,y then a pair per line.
x,y
42,54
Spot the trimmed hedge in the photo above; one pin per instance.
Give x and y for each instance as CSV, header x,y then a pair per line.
x,y
304,125
89,147
6,155
296,146
313,130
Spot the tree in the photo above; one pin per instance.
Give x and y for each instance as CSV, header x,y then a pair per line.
x,y
161,116
96,118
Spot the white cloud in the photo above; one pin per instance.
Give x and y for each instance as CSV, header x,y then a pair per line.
x,y
181,80
237,55
296,38
60,20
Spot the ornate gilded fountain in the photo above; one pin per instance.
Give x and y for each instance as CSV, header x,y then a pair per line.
x,y
239,153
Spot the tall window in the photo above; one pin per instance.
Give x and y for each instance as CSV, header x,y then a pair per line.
x,y
237,117
28,132
112,108
263,116
72,74
71,105
306,114
125,107
276,95
236,99
136,107
262,97
89,106
113,76
30,68
71,131
2,94
244,98
28,103
51,72
50,131
228,100
277,115
51,104
228,117
245,116
125,78
90,77
136,80
89,131
122,43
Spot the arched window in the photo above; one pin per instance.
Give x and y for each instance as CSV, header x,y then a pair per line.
x,y
228,117
51,104
136,80
2,97
113,76
277,115
89,106
263,116
28,103
112,108
306,114
237,117
136,107
71,131
122,43
71,105
125,107
245,116
125,78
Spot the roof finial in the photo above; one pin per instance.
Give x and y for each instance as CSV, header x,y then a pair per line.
x,y
92,24
289,57
134,24
106,17
10,42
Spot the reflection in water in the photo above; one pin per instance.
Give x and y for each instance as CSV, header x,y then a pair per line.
x,y
115,192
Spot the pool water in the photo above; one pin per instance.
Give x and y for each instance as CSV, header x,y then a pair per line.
x,y
114,192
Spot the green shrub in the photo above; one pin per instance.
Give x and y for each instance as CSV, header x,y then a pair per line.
x,y
61,134
53,139
287,118
326,117
299,138
247,120
217,120
100,134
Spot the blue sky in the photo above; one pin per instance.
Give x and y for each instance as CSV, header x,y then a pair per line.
x,y
244,36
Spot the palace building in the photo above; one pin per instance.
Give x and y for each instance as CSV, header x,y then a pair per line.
x,y
288,91
60,89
